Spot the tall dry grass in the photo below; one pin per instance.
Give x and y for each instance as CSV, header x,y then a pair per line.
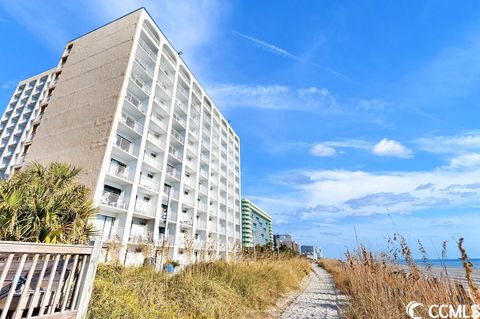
x,y
380,287
244,289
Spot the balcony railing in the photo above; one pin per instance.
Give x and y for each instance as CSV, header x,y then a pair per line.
x,y
113,200
135,102
157,118
201,224
131,123
144,66
165,88
202,206
145,208
141,84
203,188
149,183
180,105
186,219
176,154
152,161
125,145
118,170
182,91
166,73
173,172
157,140
178,136
203,173
147,49
180,120
204,157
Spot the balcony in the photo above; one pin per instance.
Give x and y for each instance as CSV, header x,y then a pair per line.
x,y
183,93
202,206
181,106
175,153
204,157
144,66
147,49
166,73
190,182
180,120
159,120
156,140
203,188
185,219
204,173
165,88
145,208
202,224
140,83
119,171
173,172
152,161
130,97
177,136
149,183
113,200
126,146
131,123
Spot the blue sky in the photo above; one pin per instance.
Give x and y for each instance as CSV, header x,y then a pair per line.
x,y
351,114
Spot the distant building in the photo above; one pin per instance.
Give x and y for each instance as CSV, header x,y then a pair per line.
x,y
311,252
257,225
285,240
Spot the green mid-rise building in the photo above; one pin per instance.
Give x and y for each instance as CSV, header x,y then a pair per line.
x,y
257,225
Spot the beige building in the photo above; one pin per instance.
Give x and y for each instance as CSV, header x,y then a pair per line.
x,y
161,160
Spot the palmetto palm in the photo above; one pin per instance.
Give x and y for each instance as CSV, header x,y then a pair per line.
x,y
46,204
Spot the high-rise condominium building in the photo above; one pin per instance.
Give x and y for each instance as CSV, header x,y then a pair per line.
x,y
256,225
21,119
162,162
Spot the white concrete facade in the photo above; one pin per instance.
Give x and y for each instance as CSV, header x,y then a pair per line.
x,y
170,175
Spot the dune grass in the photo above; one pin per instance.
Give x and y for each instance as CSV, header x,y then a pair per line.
x,y
379,287
244,289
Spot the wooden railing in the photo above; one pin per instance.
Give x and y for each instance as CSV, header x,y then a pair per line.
x,y
46,281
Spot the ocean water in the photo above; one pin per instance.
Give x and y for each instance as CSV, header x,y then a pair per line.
x,y
449,263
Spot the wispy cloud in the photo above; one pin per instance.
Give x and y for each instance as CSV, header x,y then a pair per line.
x,y
453,144
274,97
263,45
322,150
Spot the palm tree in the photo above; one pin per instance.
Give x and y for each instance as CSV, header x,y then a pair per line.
x,y
47,205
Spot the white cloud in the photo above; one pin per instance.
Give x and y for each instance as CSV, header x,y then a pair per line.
x,y
391,148
465,160
322,150
359,193
454,144
273,97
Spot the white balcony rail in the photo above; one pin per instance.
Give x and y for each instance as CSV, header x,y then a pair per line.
x,y
113,200
186,219
131,123
140,83
125,145
144,66
164,87
149,183
202,206
175,153
180,120
166,73
157,140
180,105
182,91
157,118
147,49
173,172
152,161
118,170
145,208
178,136
130,97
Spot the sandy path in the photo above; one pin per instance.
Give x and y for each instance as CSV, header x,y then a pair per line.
x,y
320,299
